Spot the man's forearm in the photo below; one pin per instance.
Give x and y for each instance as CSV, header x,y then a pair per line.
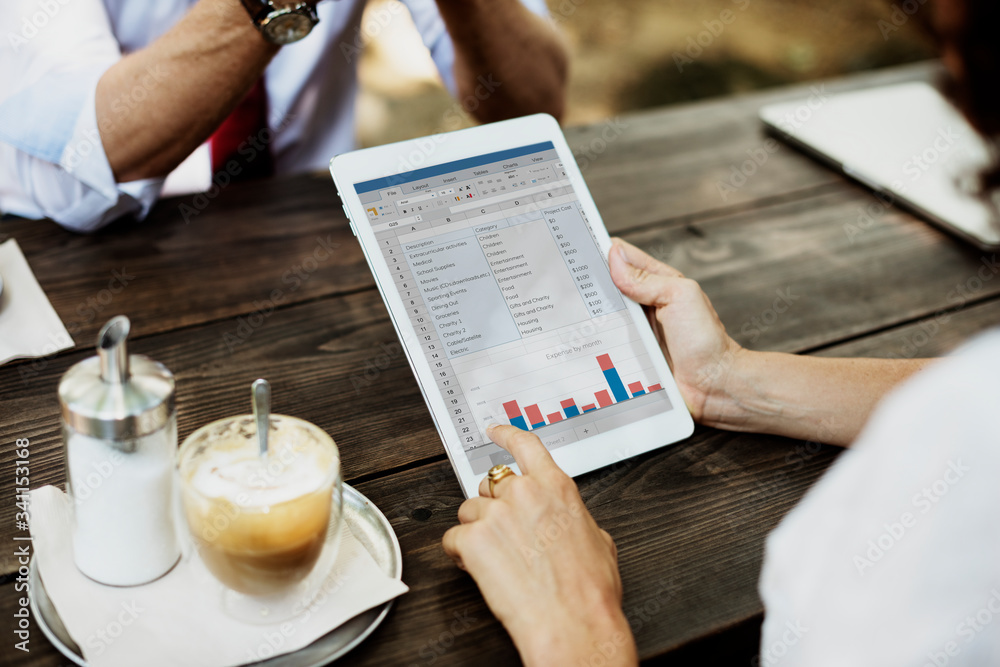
x,y
825,400
155,106
518,54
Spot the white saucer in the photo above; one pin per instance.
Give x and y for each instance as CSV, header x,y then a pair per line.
x,y
370,528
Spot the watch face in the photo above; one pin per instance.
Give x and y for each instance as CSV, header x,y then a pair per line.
x,y
288,27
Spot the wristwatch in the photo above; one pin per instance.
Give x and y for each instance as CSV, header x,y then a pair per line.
x,y
282,25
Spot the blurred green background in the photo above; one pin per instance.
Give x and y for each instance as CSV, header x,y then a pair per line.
x,y
636,54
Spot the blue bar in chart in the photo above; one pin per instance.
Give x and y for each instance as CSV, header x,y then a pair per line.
x,y
535,416
614,380
532,416
569,407
514,415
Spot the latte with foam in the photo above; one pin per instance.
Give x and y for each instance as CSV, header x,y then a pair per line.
x,y
260,524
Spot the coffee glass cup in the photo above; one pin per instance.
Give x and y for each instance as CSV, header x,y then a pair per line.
x,y
266,527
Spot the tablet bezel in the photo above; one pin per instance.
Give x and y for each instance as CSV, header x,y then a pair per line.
x,y
367,164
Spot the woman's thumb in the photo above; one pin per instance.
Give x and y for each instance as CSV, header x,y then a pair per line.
x,y
636,282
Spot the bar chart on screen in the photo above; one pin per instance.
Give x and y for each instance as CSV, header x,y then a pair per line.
x,y
530,417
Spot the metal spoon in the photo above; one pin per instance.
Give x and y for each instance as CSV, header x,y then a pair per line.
x,y
261,395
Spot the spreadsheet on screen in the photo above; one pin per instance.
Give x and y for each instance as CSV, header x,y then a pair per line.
x,y
511,299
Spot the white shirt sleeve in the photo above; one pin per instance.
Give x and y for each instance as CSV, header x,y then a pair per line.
x,y
893,557
435,35
52,159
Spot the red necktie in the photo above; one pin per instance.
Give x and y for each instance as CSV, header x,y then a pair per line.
x,y
244,138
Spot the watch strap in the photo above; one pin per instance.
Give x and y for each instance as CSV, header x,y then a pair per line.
x,y
258,9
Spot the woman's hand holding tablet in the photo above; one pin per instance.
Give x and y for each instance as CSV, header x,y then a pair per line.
x,y
693,338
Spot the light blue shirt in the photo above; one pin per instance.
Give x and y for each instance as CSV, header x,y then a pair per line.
x,y
52,160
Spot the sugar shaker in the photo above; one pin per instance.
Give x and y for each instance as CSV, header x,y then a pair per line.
x,y
119,428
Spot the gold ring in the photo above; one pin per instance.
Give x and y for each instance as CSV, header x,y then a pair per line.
x,y
497,473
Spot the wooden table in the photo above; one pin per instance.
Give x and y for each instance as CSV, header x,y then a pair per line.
x,y
689,520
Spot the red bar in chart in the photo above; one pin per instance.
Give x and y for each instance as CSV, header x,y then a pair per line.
x,y
514,415
613,378
534,416
603,398
615,393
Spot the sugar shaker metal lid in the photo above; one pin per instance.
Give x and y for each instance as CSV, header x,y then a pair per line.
x,y
114,396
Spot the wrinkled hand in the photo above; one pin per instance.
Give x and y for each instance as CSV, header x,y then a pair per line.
x,y
545,568
693,338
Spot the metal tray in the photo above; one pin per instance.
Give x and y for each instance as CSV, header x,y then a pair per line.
x,y
371,529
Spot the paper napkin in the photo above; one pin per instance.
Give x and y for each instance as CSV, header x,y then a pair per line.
x,y
177,619
29,326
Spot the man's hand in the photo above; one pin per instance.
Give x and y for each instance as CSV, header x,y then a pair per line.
x,y
545,568
508,61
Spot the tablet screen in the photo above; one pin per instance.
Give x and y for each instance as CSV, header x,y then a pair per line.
x,y
511,299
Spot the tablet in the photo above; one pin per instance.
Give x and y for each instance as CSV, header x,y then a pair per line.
x,y
492,260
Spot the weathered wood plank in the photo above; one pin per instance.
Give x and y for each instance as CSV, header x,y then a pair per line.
x,y
934,336
283,241
692,517
689,521
804,274
665,166
328,359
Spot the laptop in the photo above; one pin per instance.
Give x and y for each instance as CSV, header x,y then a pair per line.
x,y
906,142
